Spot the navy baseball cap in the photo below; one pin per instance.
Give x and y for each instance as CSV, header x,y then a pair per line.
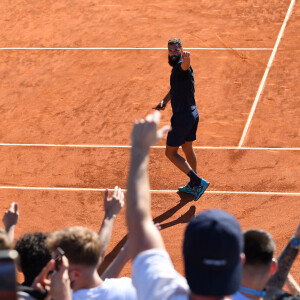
x,y
212,249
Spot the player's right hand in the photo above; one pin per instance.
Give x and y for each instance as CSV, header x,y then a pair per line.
x,y
160,106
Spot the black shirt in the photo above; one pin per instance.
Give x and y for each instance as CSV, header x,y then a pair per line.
x,y
182,89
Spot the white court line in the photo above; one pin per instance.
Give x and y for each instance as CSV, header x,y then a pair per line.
x,y
153,191
262,83
154,147
116,48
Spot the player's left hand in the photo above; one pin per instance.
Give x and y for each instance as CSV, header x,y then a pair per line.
x,y
186,54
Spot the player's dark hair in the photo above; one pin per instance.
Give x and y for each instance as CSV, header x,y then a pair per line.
x,y
34,255
175,41
259,247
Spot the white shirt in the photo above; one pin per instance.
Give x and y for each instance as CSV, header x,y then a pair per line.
x,y
110,289
154,277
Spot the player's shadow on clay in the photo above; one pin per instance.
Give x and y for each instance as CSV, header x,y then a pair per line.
x,y
184,218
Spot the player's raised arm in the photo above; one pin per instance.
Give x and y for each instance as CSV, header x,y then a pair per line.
x,y
186,56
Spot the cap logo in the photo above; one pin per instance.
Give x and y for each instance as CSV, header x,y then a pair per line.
x,y
215,262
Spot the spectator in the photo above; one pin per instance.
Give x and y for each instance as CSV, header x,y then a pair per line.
x,y
34,255
10,219
83,254
82,247
212,246
41,283
285,261
259,248
33,251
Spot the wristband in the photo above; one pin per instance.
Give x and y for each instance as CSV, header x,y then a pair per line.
x,y
295,242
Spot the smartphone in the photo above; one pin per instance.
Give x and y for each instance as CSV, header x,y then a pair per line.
x,y
58,259
8,281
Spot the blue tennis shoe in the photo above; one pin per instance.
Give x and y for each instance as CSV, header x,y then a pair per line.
x,y
186,189
199,190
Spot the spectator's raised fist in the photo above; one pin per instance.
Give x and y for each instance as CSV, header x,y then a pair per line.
x,y
114,204
145,132
11,216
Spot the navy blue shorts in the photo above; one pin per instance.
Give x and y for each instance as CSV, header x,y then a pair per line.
x,y
184,128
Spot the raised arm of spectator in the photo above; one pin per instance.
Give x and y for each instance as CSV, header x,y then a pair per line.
x,y
10,219
292,285
143,234
112,207
285,261
117,265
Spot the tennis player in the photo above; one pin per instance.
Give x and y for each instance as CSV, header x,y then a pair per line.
x,y
185,118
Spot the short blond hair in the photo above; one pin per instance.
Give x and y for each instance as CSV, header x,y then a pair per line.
x,y
81,245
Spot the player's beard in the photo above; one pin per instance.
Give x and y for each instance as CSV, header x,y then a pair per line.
x,y
174,59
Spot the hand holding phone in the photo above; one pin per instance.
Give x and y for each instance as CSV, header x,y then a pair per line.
x,y
58,259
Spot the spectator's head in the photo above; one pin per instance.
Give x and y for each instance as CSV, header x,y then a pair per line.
x,y
213,246
259,248
82,247
5,243
34,255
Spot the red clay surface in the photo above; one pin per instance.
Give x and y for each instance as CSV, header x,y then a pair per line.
x,y
128,23
92,97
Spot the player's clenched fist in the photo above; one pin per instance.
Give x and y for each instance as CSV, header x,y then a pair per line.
x,y
145,132
186,54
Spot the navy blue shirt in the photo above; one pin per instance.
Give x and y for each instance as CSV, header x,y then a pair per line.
x,y
182,89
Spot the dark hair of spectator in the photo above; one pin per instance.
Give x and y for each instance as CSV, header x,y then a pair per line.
x,y
259,247
33,254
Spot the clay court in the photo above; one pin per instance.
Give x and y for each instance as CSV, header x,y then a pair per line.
x,y
74,75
